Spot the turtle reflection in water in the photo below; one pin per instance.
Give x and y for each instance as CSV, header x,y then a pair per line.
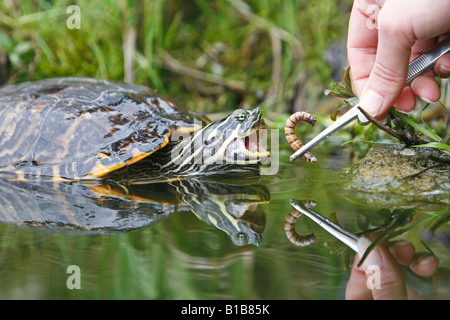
x,y
111,206
74,131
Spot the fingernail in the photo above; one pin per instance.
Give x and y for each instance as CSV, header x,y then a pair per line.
x,y
371,101
426,100
400,243
445,69
426,259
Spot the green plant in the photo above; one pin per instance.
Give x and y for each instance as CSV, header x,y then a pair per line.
x,y
410,130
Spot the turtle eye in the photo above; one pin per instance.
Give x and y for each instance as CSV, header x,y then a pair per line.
x,y
241,116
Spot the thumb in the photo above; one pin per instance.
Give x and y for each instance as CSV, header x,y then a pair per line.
x,y
384,275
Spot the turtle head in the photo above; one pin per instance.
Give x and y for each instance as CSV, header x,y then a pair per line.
x,y
235,140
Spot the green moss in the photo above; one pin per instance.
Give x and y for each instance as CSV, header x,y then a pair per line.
x,y
395,169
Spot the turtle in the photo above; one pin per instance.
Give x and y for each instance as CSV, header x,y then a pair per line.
x,y
76,128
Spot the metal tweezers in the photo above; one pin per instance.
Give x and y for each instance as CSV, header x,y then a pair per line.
x,y
422,285
416,68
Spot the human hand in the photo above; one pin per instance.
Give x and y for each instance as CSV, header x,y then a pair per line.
x,y
383,36
392,284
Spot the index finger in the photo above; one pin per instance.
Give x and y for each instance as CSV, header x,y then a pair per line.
x,y
362,41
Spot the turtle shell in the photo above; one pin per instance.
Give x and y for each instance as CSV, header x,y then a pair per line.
x,y
82,128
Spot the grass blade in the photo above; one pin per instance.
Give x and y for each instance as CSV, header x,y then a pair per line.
x,y
436,145
416,126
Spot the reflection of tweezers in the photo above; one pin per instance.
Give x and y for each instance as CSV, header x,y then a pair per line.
x,y
417,67
337,231
358,244
340,233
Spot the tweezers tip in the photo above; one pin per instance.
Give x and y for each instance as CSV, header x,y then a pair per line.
x,y
296,155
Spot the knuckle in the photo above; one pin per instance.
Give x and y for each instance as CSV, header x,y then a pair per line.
x,y
388,75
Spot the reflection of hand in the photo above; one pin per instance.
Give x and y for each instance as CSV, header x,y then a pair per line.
x,y
383,37
392,283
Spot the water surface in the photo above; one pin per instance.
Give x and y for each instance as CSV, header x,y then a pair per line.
x,y
218,239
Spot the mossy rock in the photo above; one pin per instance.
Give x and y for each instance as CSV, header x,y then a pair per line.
x,y
402,174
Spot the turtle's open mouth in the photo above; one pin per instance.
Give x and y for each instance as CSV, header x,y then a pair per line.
x,y
249,148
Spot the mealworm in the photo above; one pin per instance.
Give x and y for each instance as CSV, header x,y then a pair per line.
x,y
292,235
289,132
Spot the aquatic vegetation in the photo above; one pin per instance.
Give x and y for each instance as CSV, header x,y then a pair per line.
x,y
411,130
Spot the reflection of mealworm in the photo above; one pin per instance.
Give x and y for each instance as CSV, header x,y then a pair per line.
x,y
292,235
289,132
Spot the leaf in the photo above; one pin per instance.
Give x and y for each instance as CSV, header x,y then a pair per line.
x,y
342,105
337,89
423,121
416,126
346,79
436,145
353,101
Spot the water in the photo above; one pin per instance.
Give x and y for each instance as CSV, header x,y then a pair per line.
x,y
179,241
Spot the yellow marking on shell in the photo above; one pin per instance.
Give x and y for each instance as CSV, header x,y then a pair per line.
x,y
137,155
100,170
101,155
